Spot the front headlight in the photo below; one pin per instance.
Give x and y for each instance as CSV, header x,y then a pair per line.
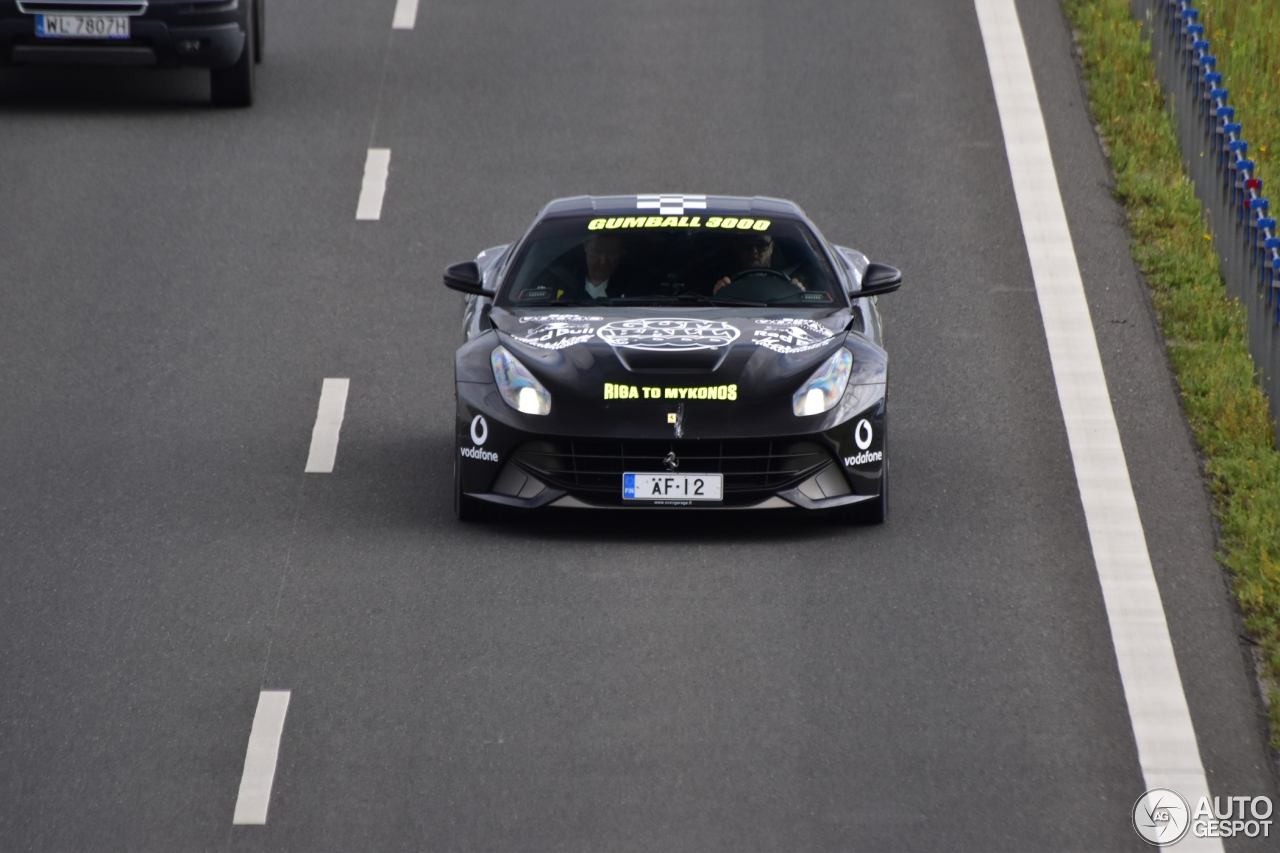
x,y
519,388
825,387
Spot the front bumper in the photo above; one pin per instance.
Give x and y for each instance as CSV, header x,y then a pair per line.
x,y
504,459
188,35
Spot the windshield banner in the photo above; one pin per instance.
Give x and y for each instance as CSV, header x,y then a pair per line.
x,y
729,222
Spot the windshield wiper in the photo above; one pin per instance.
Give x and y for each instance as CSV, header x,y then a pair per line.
x,y
701,298
719,300
636,300
544,303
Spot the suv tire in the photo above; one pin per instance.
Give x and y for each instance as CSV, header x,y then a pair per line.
x,y
233,87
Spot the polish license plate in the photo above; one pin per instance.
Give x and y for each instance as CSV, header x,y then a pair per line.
x,y
673,487
82,26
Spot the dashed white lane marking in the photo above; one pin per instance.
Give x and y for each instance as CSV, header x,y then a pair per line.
x,y
406,15
374,187
260,760
1162,727
324,436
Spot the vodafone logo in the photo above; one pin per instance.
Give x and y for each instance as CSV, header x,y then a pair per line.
x,y
480,430
861,434
479,434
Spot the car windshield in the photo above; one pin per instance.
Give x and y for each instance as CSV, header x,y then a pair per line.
x,y
655,260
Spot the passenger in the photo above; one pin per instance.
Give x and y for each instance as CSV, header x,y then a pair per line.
x,y
603,254
751,251
587,273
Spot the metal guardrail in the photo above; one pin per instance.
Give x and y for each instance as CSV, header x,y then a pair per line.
x,y
1217,159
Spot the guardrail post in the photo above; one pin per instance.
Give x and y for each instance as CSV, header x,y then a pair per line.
x,y
1261,227
1210,131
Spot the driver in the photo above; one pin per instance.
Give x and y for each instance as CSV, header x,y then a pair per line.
x,y
751,251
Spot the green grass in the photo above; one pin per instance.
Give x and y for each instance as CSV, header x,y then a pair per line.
x,y
1204,331
1245,36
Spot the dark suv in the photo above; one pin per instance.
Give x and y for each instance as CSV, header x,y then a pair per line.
x,y
224,36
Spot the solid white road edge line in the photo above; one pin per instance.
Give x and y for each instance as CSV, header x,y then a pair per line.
x,y
324,435
260,760
1162,727
374,187
406,15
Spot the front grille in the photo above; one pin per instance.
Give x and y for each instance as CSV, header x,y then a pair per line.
x,y
83,7
752,468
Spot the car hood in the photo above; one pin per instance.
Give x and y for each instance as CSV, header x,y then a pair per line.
x,y
599,354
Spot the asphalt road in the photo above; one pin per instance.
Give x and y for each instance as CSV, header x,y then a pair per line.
x,y
177,282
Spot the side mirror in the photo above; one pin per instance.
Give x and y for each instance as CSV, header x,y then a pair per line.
x,y
880,278
465,278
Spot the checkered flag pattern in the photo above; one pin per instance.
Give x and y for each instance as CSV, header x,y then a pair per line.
x,y
671,205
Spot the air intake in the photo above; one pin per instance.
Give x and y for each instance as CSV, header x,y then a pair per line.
x,y
82,7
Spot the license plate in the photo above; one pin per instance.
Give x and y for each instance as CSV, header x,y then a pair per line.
x,y
82,26
673,487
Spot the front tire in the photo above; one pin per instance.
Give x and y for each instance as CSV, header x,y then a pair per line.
x,y
874,511
466,509
233,87
259,30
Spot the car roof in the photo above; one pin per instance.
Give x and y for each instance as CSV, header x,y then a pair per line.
x,y
669,204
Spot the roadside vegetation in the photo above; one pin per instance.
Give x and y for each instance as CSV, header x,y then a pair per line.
x,y
1204,331
1245,35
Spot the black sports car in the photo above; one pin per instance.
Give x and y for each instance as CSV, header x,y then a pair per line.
x,y
224,36
702,352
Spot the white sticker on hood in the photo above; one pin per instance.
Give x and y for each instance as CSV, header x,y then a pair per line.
x,y
791,335
557,331
672,334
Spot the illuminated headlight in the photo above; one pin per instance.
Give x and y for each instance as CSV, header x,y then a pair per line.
x,y
825,387
519,388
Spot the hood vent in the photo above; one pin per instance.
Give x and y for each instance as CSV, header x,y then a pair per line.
x,y
691,361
